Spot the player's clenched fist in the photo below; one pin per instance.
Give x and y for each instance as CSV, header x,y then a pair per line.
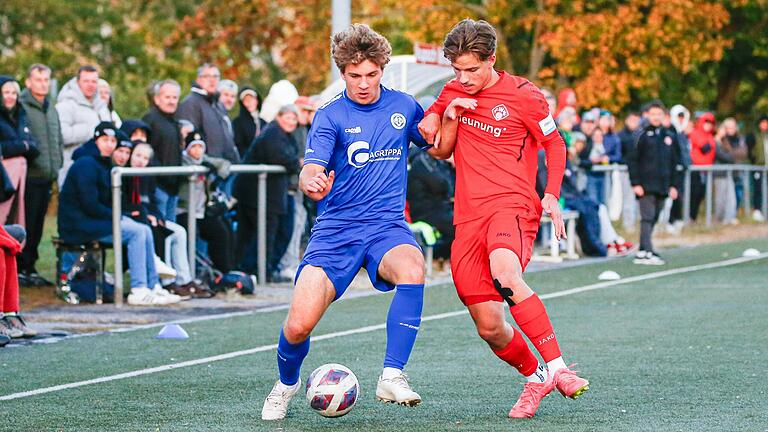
x,y
429,127
318,186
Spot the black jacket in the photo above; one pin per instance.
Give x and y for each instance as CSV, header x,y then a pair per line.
x,y
656,163
430,187
272,147
15,138
166,141
245,126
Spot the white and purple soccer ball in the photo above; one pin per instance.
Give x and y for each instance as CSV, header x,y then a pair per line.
x,y
332,390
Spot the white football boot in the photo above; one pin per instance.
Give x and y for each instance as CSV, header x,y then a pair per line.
x,y
397,390
276,403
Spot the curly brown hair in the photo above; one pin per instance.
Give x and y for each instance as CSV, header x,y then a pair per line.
x,y
470,36
357,44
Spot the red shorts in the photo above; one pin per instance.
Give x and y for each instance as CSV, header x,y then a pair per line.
x,y
513,229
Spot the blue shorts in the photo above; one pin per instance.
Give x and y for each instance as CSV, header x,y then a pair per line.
x,y
341,248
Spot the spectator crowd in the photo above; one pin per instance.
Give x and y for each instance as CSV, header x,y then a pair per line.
x,y
71,142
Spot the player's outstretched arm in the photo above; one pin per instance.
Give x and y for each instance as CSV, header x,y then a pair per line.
x,y
314,183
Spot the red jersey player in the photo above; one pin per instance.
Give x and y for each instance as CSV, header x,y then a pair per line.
x,y
496,123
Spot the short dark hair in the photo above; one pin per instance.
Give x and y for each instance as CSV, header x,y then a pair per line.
x,y
357,44
655,104
86,68
37,67
470,36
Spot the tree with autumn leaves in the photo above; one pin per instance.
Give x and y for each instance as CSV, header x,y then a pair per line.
x,y
616,54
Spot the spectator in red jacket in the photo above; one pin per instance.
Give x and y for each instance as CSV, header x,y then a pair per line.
x,y
703,145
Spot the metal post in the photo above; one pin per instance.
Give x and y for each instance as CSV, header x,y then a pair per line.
x,y
192,225
341,17
554,243
117,240
709,197
262,228
607,187
764,184
687,197
747,198
571,243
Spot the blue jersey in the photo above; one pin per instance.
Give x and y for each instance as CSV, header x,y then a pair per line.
x,y
367,147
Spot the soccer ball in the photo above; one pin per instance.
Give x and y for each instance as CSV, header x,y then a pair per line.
x,y
332,390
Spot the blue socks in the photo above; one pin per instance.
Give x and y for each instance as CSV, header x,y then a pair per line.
x,y
403,322
289,359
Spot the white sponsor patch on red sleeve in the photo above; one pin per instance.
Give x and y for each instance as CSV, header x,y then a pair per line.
x,y
547,125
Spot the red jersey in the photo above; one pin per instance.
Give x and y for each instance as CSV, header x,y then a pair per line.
x,y
497,147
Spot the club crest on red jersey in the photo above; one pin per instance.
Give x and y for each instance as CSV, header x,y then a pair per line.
x,y
500,112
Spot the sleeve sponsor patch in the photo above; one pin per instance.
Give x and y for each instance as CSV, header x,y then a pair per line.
x,y
547,125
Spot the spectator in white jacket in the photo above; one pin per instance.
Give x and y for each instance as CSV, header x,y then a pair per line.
x,y
80,110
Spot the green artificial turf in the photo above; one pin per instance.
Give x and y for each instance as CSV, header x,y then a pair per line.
x,y
683,352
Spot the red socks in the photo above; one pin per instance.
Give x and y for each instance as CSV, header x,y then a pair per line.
x,y
531,316
518,355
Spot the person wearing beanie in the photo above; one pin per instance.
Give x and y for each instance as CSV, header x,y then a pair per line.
x,y
85,215
136,130
212,224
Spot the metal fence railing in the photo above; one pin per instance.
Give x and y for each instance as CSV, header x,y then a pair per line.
x,y
708,170
191,172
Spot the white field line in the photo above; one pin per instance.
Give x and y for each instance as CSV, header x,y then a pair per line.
x,y
368,329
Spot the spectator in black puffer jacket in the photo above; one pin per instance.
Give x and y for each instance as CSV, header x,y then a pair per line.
x,y
431,185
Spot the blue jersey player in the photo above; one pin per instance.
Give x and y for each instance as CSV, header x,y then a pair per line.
x,y
360,138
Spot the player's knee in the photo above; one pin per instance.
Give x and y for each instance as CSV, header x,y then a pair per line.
x,y
490,333
411,270
296,332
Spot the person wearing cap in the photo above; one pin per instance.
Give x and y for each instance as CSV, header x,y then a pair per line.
x,y
167,142
757,143
276,146
85,215
17,144
80,110
212,224
203,109
248,125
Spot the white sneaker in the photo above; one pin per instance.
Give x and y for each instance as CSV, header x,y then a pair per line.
x,y
397,390
147,297
162,292
164,271
653,259
757,216
640,257
276,403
